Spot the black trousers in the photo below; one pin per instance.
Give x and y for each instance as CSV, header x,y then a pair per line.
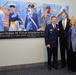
x,y
72,59
52,51
63,49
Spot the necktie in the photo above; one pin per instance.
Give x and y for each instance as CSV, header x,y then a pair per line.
x,y
54,26
63,24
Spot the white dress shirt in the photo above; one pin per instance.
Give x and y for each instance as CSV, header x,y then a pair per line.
x,y
54,25
64,22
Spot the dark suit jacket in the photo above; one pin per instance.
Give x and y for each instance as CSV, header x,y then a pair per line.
x,y
63,34
51,35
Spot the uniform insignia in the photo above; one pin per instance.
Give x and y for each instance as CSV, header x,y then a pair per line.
x,y
58,29
51,30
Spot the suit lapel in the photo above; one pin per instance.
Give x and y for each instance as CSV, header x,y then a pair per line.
x,y
51,26
67,24
62,25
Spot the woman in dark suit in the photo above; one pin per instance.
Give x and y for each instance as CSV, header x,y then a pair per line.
x,y
72,44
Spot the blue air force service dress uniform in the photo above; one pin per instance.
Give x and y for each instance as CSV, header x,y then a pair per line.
x,y
14,20
1,20
31,21
51,37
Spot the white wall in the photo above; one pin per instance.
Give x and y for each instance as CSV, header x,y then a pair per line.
x,y
32,50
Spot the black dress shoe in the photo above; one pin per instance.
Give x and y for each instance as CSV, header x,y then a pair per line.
x,y
69,70
63,66
49,68
55,67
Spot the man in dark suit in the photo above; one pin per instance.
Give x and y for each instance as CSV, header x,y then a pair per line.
x,y
51,40
64,26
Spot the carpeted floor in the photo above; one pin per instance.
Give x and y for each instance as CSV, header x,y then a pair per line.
x,y
42,70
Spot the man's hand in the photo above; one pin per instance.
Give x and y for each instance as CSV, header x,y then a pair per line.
x,y
43,15
48,46
47,11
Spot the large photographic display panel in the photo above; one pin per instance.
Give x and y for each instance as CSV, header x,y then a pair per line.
x,y
24,19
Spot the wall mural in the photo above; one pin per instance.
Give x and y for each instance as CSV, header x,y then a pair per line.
x,y
25,19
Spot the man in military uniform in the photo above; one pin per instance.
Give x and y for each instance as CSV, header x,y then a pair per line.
x,y
46,16
14,19
31,21
51,40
